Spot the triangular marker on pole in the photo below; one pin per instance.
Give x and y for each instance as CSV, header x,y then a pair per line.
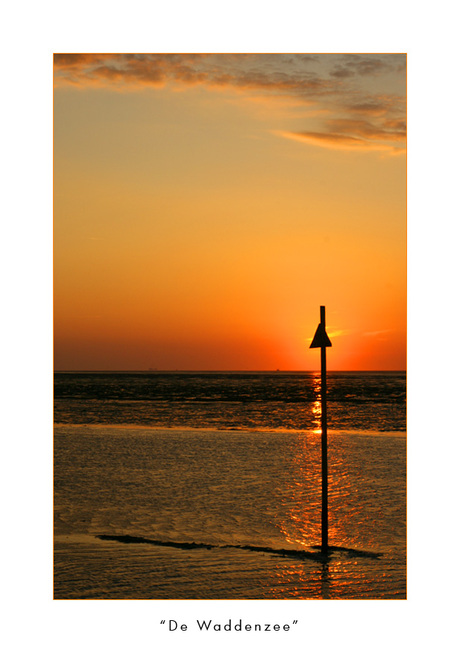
x,y
320,339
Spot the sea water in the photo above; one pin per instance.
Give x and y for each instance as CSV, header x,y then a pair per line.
x,y
208,486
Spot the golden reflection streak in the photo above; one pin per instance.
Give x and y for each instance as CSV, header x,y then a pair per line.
x,y
301,525
316,408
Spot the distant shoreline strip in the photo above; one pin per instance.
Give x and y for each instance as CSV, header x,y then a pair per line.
x,y
291,553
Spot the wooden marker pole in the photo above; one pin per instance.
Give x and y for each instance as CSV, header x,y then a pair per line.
x,y
324,505
321,340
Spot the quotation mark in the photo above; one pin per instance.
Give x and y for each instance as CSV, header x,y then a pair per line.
x,y
163,621
295,621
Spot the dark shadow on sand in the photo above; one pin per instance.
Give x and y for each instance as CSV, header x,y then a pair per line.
x,y
291,553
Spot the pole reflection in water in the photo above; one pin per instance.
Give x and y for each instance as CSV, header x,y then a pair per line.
x,y
325,580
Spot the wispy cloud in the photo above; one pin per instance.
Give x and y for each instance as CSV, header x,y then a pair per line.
x,y
332,84
339,141
336,333
388,130
254,72
347,133
353,65
377,334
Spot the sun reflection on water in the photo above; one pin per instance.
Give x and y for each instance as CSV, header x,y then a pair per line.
x,y
301,500
316,407
300,517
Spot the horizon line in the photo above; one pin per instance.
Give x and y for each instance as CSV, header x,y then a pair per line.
x,y
216,371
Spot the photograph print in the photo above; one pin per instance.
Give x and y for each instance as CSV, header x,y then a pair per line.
x,y
229,326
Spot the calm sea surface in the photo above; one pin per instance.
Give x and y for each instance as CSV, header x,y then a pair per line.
x,y
208,486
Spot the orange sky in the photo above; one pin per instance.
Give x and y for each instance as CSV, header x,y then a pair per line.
x,y
206,206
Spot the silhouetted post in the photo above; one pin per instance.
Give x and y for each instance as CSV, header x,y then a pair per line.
x,y
321,339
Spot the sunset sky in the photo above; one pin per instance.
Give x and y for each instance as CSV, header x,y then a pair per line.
x,y
205,206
